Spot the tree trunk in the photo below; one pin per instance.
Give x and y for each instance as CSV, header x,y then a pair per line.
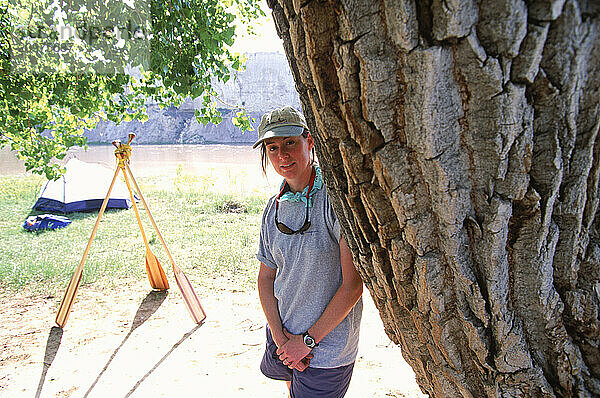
x,y
459,143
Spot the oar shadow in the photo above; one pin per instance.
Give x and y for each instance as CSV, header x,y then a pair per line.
x,y
54,339
160,361
149,305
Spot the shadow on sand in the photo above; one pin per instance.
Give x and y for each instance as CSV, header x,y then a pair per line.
x,y
149,305
54,339
183,338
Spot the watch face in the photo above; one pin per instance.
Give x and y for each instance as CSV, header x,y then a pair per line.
x,y
309,341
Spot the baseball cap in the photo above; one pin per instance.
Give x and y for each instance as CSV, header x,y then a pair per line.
x,y
283,122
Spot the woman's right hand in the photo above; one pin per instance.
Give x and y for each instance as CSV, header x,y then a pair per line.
x,y
304,363
280,341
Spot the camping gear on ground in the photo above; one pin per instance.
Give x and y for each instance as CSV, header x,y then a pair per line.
x,y
45,221
81,188
155,272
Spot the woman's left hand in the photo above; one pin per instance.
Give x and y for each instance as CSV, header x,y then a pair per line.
x,y
292,352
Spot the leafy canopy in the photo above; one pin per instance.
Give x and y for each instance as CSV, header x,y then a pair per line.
x,y
67,64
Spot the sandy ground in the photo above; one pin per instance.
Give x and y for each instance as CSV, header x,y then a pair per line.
x,y
132,342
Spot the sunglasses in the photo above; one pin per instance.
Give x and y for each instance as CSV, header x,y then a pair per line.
x,y
284,228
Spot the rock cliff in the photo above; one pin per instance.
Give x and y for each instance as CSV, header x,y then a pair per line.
x,y
265,84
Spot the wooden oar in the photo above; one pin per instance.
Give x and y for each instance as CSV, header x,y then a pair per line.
x,y
69,298
192,302
156,275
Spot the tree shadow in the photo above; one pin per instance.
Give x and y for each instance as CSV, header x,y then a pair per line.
x,y
149,305
183,338
54,339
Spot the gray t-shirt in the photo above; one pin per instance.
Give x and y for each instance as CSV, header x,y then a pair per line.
x,y
308,275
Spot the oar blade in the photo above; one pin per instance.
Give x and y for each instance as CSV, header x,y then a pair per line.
x,y
156,274
192,303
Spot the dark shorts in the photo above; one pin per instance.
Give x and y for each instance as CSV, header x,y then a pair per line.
x,y
312,382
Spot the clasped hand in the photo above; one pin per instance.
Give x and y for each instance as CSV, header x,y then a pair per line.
x,y
294,353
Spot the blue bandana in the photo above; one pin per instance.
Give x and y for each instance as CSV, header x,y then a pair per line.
x,y
301,196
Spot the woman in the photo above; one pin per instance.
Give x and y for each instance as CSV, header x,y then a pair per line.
x,y
308,287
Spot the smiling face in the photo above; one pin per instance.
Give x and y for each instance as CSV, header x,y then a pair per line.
x,y
290,157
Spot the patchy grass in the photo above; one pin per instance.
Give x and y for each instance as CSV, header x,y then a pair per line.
x,y
210,235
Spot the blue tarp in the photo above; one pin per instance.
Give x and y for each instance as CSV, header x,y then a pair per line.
x,y
45,221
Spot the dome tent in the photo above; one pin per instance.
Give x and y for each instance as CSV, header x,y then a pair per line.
x,y
83,187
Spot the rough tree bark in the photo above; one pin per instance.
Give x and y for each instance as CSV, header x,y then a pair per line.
x,y
459,142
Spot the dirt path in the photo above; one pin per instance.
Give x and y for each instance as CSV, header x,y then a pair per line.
x,y
133,342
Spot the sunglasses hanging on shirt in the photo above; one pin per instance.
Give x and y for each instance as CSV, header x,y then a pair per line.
x,y
284,228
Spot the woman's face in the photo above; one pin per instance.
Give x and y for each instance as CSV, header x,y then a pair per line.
x,y
290,157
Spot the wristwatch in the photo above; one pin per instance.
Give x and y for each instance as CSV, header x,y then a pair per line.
x,y
309,341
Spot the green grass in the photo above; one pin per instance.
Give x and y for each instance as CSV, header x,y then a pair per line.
x,y
210,235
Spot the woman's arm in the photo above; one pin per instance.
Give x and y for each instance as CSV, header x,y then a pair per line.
x,y
344,299
338,308
266,281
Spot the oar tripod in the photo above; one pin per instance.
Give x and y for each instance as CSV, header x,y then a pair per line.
x,y
156,275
